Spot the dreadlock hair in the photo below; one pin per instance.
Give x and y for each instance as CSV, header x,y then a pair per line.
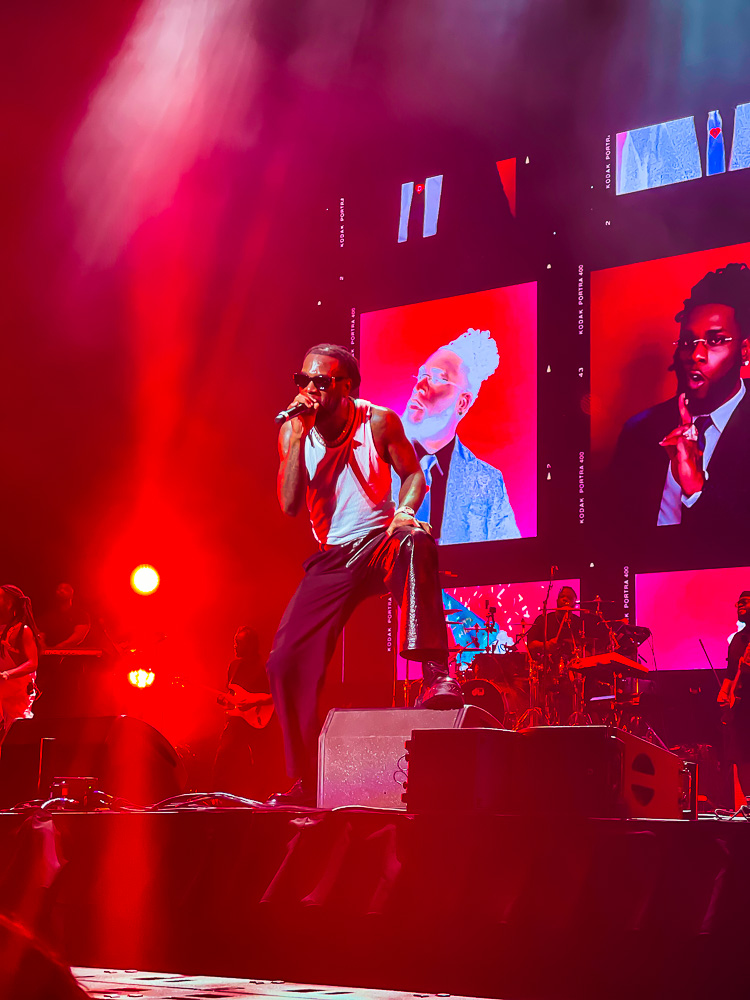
x,y
729,286
345,358
22,613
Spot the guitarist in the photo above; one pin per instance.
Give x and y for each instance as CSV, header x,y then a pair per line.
x,y
248,759
734,696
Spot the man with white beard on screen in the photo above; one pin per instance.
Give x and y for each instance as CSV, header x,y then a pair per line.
x,y
467,499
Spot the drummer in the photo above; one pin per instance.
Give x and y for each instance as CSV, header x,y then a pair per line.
x,y
564,630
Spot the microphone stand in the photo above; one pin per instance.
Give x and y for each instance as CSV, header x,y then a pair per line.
x,y
713,668
545,603
490,625
536,715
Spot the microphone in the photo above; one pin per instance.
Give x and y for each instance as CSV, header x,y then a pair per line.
x,y
295,410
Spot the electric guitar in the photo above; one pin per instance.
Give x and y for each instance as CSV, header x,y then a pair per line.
x,y
238,703
735,691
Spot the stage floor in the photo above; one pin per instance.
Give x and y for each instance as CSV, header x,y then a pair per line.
x,y
103,984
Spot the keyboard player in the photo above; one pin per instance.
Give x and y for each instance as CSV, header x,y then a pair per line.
x,y
65,626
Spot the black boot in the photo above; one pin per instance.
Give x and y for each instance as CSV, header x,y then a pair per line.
x,y
443,692
301,794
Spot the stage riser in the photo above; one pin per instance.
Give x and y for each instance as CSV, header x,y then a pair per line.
x,y
485,906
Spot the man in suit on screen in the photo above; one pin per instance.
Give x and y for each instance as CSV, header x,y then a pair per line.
x,y
685,461
467,499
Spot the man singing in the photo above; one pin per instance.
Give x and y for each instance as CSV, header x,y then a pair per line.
x,y
337,458
684,460
467,501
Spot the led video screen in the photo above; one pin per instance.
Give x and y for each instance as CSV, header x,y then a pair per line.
x,y
655,379
683,609
462,373
670,153
517,604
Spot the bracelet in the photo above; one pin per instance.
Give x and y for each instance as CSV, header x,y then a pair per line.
x,y
405,509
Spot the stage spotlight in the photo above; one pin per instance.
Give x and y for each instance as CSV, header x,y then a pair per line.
x,y
144,579
141,678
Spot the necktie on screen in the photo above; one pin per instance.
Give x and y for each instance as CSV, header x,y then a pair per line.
x,y
702,423
427,462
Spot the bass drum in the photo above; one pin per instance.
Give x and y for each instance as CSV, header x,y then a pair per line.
x,y
487,695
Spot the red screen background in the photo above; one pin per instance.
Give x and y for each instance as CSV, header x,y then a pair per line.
x,y
500,427
682,607
632,333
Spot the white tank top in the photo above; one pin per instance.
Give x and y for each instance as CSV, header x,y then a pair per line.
x,y
349,486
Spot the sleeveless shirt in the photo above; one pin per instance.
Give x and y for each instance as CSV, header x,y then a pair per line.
x,y
12,653
348,486
17,694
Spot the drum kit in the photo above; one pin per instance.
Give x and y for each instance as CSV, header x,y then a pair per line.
x,y
590,676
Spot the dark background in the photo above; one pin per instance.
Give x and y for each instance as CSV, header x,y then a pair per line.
x,y
171,178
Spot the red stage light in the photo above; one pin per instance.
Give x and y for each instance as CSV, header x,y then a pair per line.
x,y
144,579
141,678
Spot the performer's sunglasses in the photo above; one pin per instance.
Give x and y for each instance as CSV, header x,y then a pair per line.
x,y
302,380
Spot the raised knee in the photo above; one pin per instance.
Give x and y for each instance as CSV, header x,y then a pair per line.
x,y
419,540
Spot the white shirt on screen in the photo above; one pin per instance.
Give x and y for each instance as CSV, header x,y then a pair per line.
x,y
673,499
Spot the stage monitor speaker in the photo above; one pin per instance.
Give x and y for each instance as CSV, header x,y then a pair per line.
x,y
129,758
561,770
361,751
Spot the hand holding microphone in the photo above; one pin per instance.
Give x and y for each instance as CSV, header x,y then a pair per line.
x,y
295,410
301,407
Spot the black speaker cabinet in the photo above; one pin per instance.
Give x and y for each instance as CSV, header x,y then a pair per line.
x,y
127,757
361,758
567,770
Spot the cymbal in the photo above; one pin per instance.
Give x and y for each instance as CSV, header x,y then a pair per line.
x,y
455,611
577,611
597,600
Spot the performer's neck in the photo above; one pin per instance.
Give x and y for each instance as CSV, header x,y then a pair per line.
x,y
331,425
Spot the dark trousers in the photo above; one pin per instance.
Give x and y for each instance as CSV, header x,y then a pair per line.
x,y
335,582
